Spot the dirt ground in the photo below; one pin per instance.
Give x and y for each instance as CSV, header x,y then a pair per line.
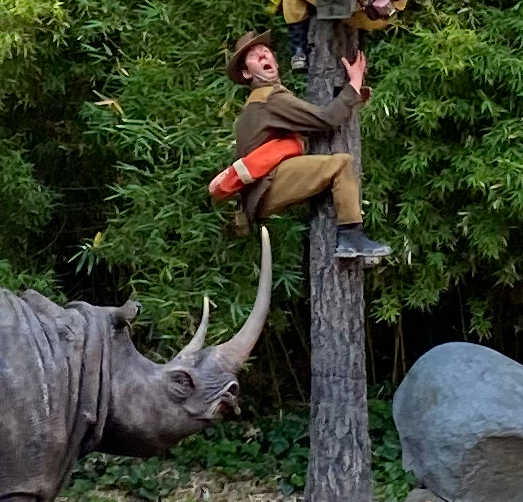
x,y
210,487
207,486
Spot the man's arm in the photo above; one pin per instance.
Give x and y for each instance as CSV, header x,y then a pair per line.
x,y
296,115
290,113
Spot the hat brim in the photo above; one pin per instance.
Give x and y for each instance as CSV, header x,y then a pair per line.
x,y
234,71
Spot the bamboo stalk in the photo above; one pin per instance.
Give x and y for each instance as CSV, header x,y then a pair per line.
x,y
293,373
396,355
370,345
271,354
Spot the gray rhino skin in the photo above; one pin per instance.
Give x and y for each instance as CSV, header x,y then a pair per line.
x,y
459,414
72,382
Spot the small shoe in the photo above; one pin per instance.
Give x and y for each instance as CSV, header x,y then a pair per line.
x,y
380,9
298,35
299,61
352,242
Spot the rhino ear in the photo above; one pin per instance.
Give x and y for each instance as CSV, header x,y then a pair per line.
x,y
127,312
181,383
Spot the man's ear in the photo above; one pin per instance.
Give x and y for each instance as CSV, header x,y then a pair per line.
x,y
181,383
246,75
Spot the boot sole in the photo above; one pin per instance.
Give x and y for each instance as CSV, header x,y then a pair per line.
x,y
369,262
377,254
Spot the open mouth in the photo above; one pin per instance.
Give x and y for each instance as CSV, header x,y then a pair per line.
x,y
267,67
224,405
228,404
221,403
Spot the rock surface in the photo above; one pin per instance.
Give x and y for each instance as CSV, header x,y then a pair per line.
x,y
459,414
418,495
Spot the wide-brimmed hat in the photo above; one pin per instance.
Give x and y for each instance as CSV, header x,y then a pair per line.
x,y
244,43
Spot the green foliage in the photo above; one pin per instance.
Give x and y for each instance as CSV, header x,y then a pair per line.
x,y
442,156
272,446
133,95
26,206
391,483
30,31
166,112
148,479
44,282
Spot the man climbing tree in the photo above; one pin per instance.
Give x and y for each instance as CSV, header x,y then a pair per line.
x,y
274,112
339,467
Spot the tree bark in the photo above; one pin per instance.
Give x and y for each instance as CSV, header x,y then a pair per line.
x,y
339,466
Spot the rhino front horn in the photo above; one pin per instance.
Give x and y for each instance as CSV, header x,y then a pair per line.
x,y
199,337
236,351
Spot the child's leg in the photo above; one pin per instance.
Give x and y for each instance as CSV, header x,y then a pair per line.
x,y
298,42
296,15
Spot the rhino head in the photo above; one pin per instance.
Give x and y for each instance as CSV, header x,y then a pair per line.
x,y
152,406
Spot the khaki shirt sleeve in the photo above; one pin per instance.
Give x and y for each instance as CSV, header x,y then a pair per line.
x,y
286,111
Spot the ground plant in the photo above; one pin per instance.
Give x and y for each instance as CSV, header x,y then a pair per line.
x,y
272,448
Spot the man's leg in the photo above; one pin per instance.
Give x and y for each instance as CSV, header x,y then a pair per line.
x,y
299,178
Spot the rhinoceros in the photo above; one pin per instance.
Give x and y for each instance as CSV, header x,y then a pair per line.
x,y
459,414
72,382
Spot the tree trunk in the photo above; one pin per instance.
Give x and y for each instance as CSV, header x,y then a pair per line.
x,y
339,466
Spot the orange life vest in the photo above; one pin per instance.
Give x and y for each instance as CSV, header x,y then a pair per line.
x,y
254,166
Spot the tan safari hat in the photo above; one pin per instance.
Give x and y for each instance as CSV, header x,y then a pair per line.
x,y
244,43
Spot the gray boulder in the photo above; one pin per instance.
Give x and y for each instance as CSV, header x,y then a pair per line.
x,y
459,414
419,495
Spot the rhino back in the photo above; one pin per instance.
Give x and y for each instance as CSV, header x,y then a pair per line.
x,y
455,411
50,383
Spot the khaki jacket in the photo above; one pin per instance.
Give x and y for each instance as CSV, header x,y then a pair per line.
x,y
272,111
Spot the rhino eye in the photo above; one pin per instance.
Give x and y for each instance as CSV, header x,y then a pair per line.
x,y
182,383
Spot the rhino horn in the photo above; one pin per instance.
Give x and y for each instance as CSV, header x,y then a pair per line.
x,y
199,337
236,351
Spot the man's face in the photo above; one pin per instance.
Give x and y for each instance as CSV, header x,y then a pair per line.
x,y
260,64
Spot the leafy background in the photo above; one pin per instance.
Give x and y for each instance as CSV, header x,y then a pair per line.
x,y
115,115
